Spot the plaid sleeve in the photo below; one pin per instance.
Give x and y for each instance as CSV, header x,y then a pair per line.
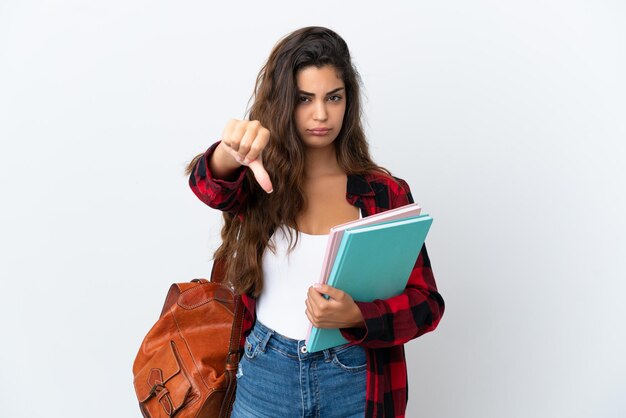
x,y
219,194
416,311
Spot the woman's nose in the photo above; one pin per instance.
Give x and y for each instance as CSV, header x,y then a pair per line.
x,y
320,112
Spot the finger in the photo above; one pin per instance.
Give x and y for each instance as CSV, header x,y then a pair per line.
x,y
227,133
325,289
315,300
261,175
246,141
259,143
237,133
312,315
309,307
312,320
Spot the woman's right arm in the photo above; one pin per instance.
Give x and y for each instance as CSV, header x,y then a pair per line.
x,y
218,174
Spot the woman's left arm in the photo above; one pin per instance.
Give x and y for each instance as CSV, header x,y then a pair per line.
x,y
383,322
416,311
396,320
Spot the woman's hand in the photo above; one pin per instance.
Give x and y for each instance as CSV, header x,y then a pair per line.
x,y
339,311
242,144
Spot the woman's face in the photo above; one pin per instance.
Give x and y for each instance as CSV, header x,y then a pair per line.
x,y
320,107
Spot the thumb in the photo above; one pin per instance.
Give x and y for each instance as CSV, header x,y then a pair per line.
x,y
261,175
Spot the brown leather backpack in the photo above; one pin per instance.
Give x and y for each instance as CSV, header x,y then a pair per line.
x,y
187,363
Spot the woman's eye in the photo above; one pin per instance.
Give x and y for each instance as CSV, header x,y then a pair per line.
x,y
303,99
334,98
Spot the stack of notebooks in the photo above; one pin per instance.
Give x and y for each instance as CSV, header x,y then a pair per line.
x,y
370,258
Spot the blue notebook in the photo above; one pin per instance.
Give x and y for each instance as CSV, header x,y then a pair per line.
x,y
373,262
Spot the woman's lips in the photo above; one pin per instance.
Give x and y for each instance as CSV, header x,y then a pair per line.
x,y
319,132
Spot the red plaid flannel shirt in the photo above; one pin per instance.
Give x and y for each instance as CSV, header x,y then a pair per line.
x,y
389,323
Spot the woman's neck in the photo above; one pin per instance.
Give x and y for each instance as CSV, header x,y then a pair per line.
x,y
320,162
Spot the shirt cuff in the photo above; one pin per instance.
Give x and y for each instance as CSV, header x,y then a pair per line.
x,y
374,324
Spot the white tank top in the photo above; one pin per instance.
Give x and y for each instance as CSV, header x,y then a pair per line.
x,y
286,281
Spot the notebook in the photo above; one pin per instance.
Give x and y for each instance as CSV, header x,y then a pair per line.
x,y
372,262
336,232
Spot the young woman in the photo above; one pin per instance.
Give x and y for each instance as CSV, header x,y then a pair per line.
x,y
283,178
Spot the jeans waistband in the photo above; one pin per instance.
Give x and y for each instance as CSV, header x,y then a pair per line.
x,y
289,346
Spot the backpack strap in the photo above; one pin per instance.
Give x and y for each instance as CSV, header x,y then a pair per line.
x,y
218,271
232,361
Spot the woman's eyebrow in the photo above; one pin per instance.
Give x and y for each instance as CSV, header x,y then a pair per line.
x,y
306,93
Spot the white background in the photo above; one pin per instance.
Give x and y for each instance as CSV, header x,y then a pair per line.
x,y
507,118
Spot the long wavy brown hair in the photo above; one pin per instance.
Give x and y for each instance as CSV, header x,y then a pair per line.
x,y
246,235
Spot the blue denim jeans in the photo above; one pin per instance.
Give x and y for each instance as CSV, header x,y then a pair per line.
x,y
278,378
